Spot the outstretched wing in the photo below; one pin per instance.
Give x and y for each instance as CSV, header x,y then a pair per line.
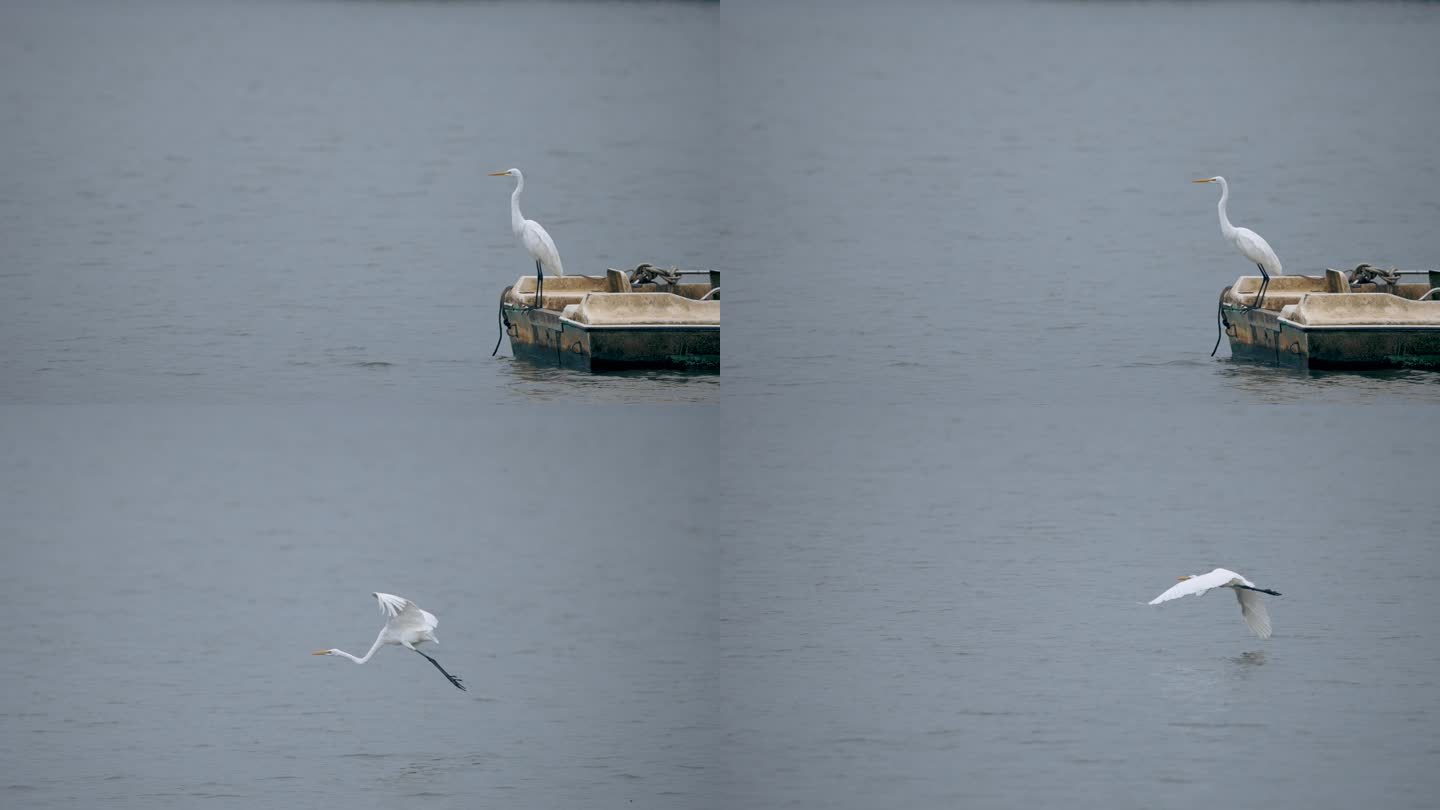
x,y
1194,586
404,613
392,605
1252,607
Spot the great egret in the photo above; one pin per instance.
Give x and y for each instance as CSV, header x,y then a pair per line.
x,y
1251,606
532,237
1249,243
408,626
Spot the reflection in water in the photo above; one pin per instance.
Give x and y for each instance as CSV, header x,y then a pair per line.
x,y
1199,685
550,383
1254,658
1246,665
1272,384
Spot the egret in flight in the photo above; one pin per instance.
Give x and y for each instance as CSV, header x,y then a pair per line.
x,y
1252,607
408,626
532,237
1249,243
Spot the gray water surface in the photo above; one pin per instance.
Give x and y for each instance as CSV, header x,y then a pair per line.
x,y
991,203
969,422
974,426
168,570
287,201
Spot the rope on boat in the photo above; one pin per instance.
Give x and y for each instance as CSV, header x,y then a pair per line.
x,y
501,321
646,273
1366,274
1219,320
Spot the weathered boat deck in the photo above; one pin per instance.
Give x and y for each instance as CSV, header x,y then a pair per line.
x,y
599,323
1324,322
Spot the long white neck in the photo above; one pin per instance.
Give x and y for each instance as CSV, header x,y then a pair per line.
x,y
517,222
1226,228
373,648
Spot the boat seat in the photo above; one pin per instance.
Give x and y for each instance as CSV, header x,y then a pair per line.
x,y
1286,290
1273,300
1331,309
553,300
563,291
611,309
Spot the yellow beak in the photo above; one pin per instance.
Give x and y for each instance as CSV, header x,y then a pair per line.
x,y
502,174
1187,576
1204,180
321,652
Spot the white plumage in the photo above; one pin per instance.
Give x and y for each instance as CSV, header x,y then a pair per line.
x,y
408,617
1250,244
1252,607
408,626
532,237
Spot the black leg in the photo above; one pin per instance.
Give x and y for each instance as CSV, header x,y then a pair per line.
x,y
453,679
539,285
1264,285
1260,590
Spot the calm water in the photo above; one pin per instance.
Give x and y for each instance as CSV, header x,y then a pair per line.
x,y
286,201
169,569
968,426
984,205
991,431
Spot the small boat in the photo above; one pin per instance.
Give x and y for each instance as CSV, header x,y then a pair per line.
x,y
1328,322
647,319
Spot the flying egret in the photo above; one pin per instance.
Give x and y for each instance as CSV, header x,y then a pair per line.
x,y
1251,606
408,626
1249,243
532,237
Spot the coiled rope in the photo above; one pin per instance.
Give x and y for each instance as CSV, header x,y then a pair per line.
x,y
1366,274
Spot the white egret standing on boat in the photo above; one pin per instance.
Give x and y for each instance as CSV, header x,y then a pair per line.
x,y
408,626
1252,607
1249,243
532,237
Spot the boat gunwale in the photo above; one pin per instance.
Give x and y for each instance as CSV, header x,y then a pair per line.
x,y
1361,327
607,327
643,327
1231,307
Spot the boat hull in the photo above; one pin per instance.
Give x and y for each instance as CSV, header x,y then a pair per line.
x,y
1263,336
542,336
